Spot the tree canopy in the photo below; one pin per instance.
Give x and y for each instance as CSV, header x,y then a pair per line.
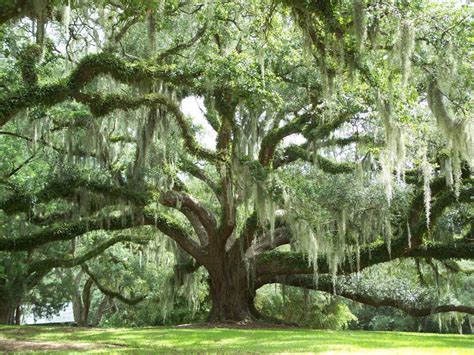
x,y
292,142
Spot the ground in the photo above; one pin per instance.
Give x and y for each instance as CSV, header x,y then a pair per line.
x,y
192,339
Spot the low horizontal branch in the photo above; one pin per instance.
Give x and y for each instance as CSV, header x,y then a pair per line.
x,y
40,268
325,284
295,152
291,263
66,186
67,231
287,263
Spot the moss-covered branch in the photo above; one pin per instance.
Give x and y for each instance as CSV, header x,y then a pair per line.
x,y
175,231
308,124
101,105
45,143
200,174
294,152
88,68
66,186
182,46
276,135
247,235
125,72
28,60
110,293
281,236
287,263
30,96
66,231
325,284
225,104
40,268
342,142
291,263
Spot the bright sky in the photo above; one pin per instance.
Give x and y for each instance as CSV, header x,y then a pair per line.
x,y
193,106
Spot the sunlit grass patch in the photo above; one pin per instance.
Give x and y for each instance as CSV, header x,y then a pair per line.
x,y
242,340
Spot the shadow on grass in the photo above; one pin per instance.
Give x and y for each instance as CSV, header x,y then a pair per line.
x,y
219,339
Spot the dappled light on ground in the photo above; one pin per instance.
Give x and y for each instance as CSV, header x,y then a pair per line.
x,y
238,340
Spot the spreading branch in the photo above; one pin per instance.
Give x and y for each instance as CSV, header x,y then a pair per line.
x,y
295,152
89,68
286,263
276,135
66,186
175,231
182,46
102,105
66,231
39,269
313,128
199,173
69,231
325,284
182,201
110,293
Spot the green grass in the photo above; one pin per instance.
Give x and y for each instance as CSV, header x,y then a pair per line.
x,y
220,340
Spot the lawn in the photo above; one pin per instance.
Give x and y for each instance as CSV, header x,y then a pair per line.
x,y
137,340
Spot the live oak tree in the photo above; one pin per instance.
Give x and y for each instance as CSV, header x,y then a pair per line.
x,y
335,136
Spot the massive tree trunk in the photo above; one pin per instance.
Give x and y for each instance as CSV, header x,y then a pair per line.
x,y
232,300
231,291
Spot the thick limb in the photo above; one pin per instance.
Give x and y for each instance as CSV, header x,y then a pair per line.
x,y
325,284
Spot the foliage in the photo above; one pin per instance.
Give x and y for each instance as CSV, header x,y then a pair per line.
x,y
328,137
307,308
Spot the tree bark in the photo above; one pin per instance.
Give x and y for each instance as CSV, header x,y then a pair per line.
x,y
231,291
82,303
18,315
101,310
6,313
231,302
86,302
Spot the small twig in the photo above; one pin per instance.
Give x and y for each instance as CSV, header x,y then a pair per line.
x,y
19,167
